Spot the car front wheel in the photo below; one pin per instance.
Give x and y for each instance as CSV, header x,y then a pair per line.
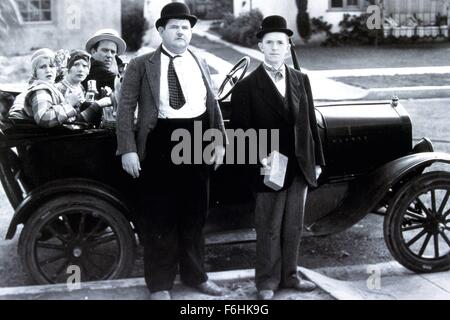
x,y
77,238
417,226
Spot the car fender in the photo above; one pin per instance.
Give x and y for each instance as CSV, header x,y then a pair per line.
x,y
365,193
64,186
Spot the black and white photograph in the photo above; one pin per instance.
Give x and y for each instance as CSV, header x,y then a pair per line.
x,y
201,151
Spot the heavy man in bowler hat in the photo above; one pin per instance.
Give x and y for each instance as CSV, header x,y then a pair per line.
x,y
276,96
172,87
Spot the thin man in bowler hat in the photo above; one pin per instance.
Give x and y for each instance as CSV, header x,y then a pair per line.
x,y
172,87
276,96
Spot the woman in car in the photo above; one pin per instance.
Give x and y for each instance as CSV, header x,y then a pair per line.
x,y
78,66
42,101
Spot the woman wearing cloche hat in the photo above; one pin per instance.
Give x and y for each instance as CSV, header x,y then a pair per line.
x,y
42,102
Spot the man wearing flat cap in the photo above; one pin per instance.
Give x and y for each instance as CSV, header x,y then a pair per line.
x,y
277,97
105,47
172,88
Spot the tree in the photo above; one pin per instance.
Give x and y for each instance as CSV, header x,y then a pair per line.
x,y
303,23
134,24
8,17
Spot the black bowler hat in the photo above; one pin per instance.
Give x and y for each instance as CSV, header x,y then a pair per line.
x,y
175,10
273,24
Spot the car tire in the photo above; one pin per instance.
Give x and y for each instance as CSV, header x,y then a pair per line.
x,y
417,225
75,238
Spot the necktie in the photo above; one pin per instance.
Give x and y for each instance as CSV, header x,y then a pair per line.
x,y
277,74
176,97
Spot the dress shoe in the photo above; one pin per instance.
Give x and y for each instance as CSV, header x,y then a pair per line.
x,y
305,286
265,294
210,288
160,295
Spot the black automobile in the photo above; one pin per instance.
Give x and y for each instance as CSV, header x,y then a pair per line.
x,y
69,191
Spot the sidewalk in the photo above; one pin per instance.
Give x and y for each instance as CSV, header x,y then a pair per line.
x,y
237,285
385,281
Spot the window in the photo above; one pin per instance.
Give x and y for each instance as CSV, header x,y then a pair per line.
x,y
337,3
345,4
35,10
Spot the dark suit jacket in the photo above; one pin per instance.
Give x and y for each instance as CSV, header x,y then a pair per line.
x,y
100,73
141,85
257,104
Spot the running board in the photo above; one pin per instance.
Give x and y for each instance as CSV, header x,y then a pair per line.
x,y
231,237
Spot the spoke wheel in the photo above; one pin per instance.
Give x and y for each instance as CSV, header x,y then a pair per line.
x,y
417,227
77,232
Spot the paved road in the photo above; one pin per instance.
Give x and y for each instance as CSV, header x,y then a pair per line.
x,y
361,244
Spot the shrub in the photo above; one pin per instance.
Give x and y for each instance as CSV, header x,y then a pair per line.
x,y
319,25
210,10
353,30
134,24
241,30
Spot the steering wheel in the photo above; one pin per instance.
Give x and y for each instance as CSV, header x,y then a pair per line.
x,y
234,76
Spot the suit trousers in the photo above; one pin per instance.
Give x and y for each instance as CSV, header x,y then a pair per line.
x,y
279,223
173,204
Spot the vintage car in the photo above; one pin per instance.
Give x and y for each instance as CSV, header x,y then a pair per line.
x,y
75,202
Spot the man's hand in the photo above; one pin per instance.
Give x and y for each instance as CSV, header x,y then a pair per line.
x,y
106,91
131,164
265,170
72,99
217,158
318,171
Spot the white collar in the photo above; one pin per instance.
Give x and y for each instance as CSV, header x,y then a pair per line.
x,y
174,54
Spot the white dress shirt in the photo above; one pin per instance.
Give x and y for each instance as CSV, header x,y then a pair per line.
x,y
191,81
281,84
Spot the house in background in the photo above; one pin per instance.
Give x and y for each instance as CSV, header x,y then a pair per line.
x,y
210,9
203,9
416,18
332,11
422,18
57,24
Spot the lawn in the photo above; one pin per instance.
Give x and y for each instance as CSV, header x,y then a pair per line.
x,y
388,56
430,119
221,51
425,54
397,81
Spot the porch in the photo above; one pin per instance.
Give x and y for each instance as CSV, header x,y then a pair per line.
x,y
415,18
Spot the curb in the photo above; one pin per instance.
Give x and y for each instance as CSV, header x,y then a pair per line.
x,y
335,283
360,272
22,292
340,273
407,94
